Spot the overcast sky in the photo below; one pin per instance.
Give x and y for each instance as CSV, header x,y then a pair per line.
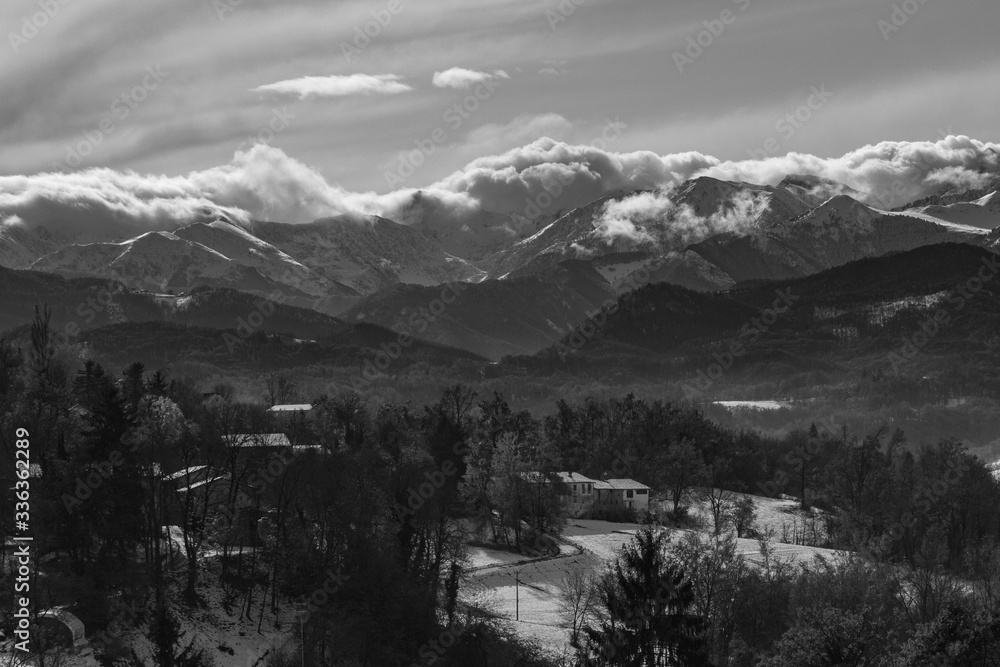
x,y
225,69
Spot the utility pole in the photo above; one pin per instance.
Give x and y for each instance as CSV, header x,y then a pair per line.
x,y
301,612
517,595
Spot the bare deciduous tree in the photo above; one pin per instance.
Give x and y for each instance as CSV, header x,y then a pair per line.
x,y
279,389
577,601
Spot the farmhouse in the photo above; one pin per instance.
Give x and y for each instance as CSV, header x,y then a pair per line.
x,y
579,494
618,496
586,498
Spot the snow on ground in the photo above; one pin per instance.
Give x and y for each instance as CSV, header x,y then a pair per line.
x,y
527,593
480,557
957,226
754,405
226,638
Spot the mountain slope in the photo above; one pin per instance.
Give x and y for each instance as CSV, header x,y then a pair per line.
x,y
815,190
368,254
20,245
217,254
839,231
495,317
158,344
907,314
78,304
983,213
475,237
220,327
656,223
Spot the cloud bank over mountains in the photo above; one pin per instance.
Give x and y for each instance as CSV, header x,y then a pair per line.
x,y
263,183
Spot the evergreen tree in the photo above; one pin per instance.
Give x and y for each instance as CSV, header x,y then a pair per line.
x,y
647,604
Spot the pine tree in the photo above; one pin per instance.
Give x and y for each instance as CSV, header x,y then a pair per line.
x,y
647,601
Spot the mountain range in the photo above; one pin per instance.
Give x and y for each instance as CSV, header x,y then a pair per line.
x,y
511,286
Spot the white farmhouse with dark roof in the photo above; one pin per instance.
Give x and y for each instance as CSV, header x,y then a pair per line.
x,y
616,496
586,498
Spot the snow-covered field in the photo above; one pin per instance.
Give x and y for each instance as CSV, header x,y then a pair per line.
x,y
754,405
527,593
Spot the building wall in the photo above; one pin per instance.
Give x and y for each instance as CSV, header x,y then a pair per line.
x,y
614,502
580,502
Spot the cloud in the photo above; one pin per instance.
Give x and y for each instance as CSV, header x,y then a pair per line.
x,y
336,86
458,77
653,217
261,183
887,174
264,183
571,175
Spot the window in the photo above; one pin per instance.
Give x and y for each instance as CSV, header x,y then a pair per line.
x,y
641,492
628,494
574,488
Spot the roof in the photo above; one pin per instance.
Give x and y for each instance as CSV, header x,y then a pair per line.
x,y
198,485
575,478
564,477
257,440
182,473
296,407
620,485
